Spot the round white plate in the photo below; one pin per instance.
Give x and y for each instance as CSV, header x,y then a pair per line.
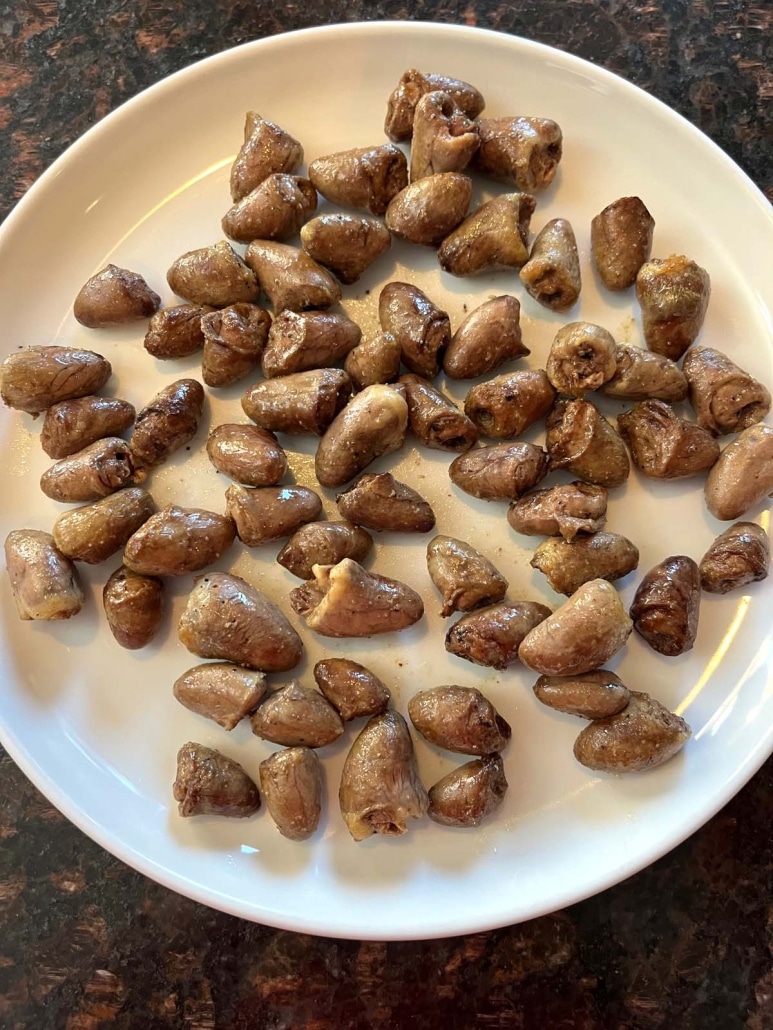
x,y
96,728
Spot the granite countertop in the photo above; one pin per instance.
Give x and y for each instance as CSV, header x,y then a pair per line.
x,y
85,942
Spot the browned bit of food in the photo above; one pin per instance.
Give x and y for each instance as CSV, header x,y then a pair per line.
x,y
742,476
167,423
246,453
301,402
234,340
381,503
134,607
501,472
470,794
582,358
353,690
364,177
376,360
641,374
738,556
435,420
227,618
505,406
380,785
344,600
266,149
346,244
291,781
552,273
275,210
444,138
323,543
673,295
213,275
307,341
114,296
459,719
524,152
642,736
581,635
430,208
664,446
564,510
666,606
581,441
69,426
419,326
44,582
593,695
568,564
296,716
176,541
34,378
290,278
492,636
96,471
176,332
270,512
621,241
374,422
91,534
495,237
94,532
488,337
413,85
208,783
465,578
220,691
726,399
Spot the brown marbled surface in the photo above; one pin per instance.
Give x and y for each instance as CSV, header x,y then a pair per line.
x,y
86,943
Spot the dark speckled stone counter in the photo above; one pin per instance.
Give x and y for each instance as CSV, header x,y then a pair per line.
x,y
85,943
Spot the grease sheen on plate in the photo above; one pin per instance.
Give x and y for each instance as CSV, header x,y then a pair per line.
x,y
97,728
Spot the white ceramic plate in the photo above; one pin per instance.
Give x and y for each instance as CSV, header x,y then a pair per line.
x,y
96,728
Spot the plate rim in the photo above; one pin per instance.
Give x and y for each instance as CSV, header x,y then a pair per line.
x,y
176,880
